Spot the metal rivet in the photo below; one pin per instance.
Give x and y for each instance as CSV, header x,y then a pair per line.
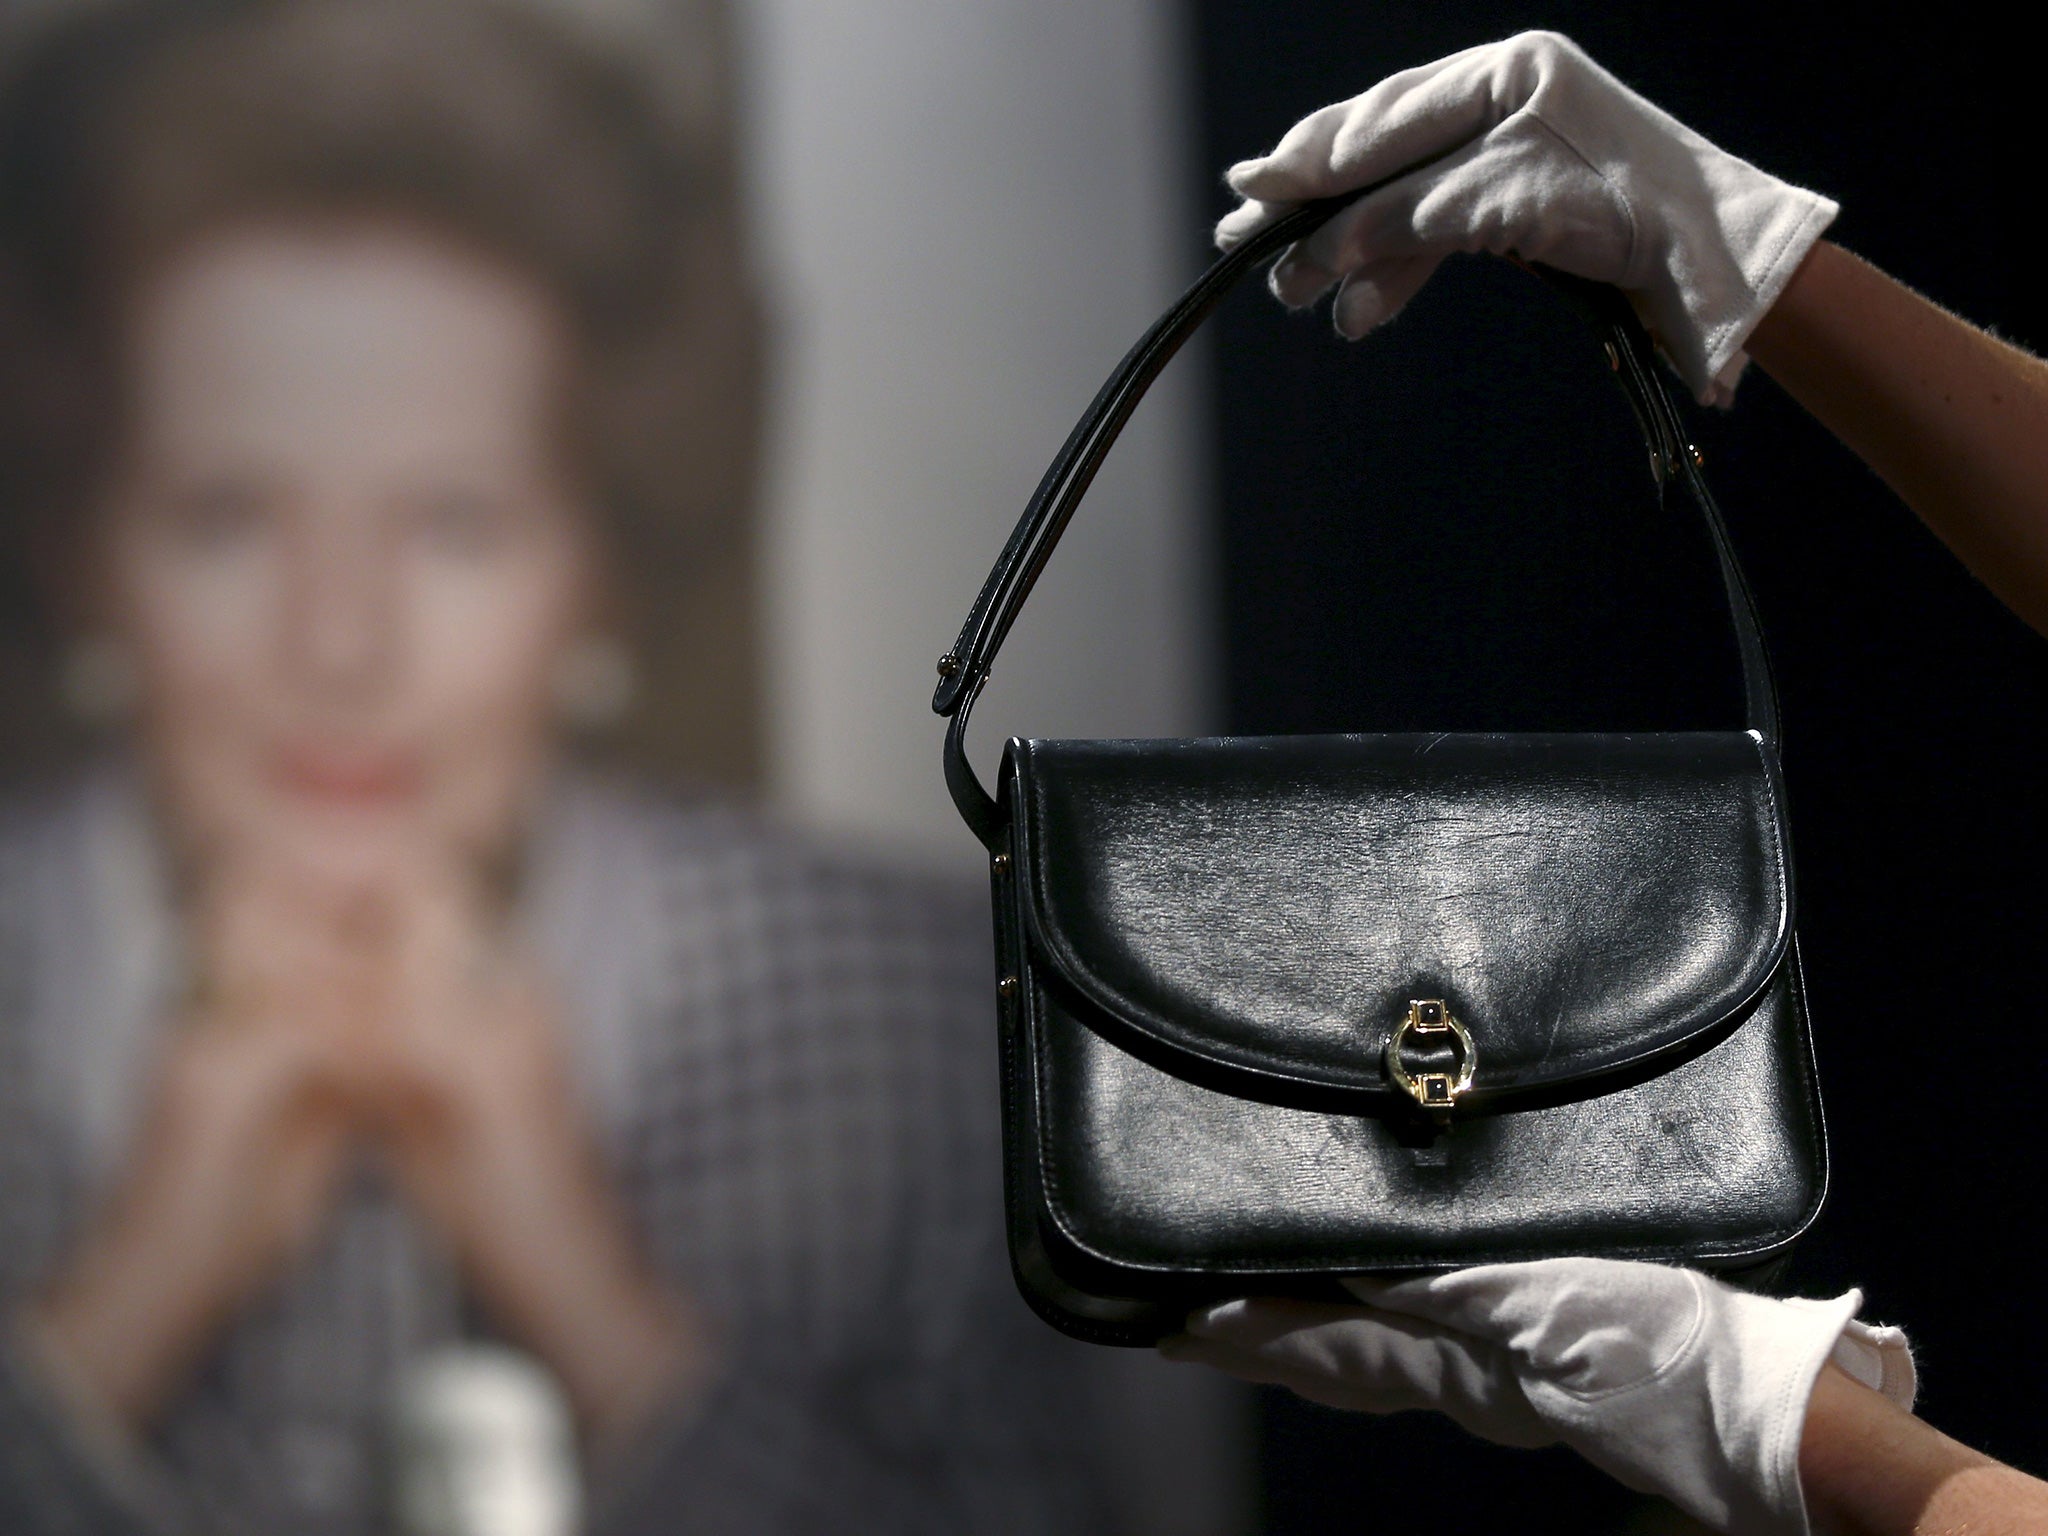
x,y
948,664
1007,988
1001,863
1699,460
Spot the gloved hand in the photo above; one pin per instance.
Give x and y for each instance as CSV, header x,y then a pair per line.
x,y
1671,1382
1528,146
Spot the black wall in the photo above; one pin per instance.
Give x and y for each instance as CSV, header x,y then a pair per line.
x,y
1449,525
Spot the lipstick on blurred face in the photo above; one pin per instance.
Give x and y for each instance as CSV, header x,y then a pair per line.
x,y
358,777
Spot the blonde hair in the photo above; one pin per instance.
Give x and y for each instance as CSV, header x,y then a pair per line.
x,y
129,126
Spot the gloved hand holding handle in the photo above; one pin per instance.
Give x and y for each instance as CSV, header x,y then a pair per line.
x,y
1527,146
1668,1380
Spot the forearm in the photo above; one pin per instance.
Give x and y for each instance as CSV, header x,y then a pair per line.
x,y
623,1344
129,1314
63,1468
550,1249
1954,420
1869,1468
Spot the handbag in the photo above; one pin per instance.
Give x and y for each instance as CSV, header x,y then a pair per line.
x,y
1278,1010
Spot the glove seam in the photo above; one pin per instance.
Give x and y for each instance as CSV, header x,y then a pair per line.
x,y
1782,1461
1679,1352
1614,189
1784,1468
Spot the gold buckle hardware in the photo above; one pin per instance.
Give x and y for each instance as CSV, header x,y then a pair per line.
x,y
1437,1092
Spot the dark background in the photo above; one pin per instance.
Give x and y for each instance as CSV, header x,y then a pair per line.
x,y
1450,526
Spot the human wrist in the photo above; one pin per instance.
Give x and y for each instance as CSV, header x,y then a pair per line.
x,y
646,1346
1782,335
616,1333
134,1303
69,1407
1867,1466
121,1330
98,1347
42,1342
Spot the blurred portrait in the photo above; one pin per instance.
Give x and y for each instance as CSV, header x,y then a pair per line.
x,y
428,1103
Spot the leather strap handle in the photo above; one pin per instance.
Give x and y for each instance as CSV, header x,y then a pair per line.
x,y
964,670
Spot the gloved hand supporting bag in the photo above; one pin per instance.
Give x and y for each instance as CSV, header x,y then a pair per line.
x,y
1663,1378
1277,1011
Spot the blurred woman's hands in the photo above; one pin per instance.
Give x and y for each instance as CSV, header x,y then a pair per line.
x,y
242,1147
372,1014
477,1111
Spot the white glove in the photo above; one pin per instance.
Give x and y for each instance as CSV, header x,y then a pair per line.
x,y
1535,149
1669,1381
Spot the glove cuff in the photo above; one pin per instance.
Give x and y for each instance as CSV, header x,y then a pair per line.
x,y
1761,1384
1881,1358
1775,229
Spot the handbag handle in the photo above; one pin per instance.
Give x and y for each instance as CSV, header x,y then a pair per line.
x,y
964,670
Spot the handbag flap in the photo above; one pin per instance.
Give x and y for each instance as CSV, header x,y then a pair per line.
x,y
1261,910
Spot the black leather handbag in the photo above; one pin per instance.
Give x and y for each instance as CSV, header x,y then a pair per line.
x,y
1277,1010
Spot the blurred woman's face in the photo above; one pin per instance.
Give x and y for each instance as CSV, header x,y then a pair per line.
x,y
340,543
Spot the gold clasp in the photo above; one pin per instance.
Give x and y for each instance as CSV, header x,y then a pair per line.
x,y
1437,1092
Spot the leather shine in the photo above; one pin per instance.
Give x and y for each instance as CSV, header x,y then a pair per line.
x,y
1205,946
1142,1177
1263,909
